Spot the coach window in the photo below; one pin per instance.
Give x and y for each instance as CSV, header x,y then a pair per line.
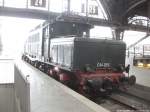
x,y
68,54
84,34
51,30
54,54
60,54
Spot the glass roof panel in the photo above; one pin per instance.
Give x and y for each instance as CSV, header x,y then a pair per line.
x,y
15,3
130,37
92,8
101,32
1,2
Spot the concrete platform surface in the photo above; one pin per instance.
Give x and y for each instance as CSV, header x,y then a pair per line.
x,y
48,95
142,75
6,71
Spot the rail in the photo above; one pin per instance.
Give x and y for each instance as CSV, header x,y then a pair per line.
x,y
134,99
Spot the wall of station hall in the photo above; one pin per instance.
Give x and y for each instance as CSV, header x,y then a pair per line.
x,y
7,99
15,97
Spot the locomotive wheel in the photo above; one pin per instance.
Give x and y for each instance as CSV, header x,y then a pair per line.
x,y
108,84
132,80
115,86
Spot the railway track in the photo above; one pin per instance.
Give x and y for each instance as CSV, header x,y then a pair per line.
x,y
131,101
123,101
113,105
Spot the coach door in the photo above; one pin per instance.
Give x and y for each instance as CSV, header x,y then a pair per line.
x,y
46,43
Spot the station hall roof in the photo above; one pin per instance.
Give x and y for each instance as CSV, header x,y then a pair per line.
x,y
121,10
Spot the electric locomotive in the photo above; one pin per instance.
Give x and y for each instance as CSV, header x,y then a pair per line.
x,y
62,49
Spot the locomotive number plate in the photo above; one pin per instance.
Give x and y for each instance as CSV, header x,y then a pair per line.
x,y
99,64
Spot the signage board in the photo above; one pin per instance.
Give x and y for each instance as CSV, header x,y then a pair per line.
x,y
38,3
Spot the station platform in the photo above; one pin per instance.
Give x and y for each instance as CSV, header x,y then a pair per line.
x,y
142,75
48,95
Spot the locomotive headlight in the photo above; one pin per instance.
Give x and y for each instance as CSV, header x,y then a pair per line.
x,y
140,64
56,68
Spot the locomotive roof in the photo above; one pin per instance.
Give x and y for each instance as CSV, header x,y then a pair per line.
x,y
81,39
75,18
63,21
72,21
71,18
